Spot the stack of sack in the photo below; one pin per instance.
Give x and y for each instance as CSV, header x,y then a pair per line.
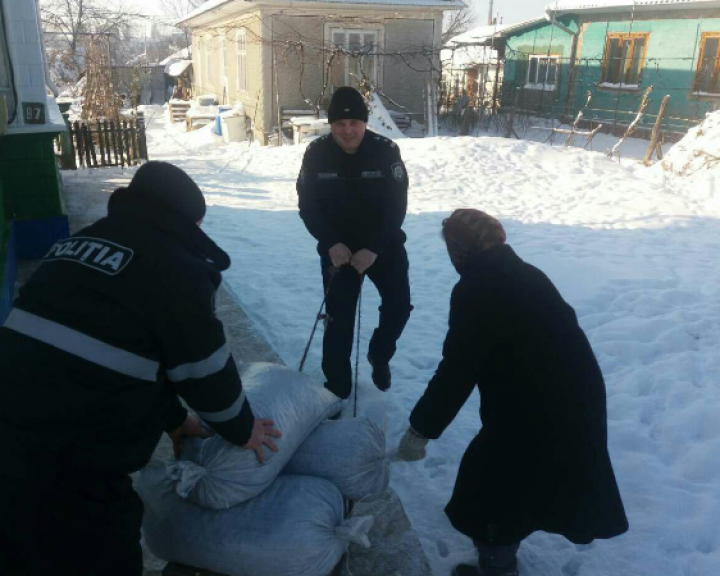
x,y
219,509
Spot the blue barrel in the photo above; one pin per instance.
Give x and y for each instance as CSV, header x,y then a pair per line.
x,y
218,125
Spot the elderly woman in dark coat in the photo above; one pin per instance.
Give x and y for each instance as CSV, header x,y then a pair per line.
x,y
540,461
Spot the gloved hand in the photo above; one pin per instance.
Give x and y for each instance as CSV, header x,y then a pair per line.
x,y
412,446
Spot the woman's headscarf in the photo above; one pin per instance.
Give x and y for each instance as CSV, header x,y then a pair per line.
x,y
468,231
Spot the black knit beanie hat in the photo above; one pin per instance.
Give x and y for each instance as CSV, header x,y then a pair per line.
x,y
347,104
170,186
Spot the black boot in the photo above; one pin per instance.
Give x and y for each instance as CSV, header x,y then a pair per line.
x,y
381,376
466,570
492,561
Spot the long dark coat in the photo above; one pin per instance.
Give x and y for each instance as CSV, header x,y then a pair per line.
x,y
540,461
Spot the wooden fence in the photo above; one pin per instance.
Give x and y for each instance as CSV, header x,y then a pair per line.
x,y
105,143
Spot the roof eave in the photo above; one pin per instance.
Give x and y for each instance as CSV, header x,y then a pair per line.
x,y
229,6
637,8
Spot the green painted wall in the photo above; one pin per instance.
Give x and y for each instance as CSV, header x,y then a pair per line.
x,y
671,60
540,39
672,57
29,176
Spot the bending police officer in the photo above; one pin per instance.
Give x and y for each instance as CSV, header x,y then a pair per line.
x,y
117,321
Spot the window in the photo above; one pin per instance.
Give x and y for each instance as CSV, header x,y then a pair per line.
x,y
349,70
542,72
241,49
624,59
706,77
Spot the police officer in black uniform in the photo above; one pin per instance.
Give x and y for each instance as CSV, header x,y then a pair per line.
x,y
352,191
117,321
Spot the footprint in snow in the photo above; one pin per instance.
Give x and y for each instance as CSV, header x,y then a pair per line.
x,y
443,549
434,462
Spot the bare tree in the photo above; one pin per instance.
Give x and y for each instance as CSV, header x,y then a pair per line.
x,y
458,21
179,8
67,22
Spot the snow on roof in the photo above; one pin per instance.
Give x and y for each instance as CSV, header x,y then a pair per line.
x,y
213,4
183,54
485,35
599,5
478,34
423,3
177,68
467,56
203,8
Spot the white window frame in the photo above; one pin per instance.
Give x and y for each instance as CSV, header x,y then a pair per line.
x,y
241,59
208,62
538,83
376,29
197,62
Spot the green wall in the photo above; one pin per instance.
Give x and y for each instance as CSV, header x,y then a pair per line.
x,y
29,176
540,39
671,60
672,57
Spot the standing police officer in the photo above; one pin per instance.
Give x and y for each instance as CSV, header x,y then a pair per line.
x,y
118,320
352,191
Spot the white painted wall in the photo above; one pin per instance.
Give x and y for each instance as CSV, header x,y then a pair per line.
x,y
26,53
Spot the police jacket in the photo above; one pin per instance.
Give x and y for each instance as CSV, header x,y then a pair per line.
x,y
358,199
117,321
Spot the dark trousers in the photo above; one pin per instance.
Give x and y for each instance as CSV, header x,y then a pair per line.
x,y
76,525
389,273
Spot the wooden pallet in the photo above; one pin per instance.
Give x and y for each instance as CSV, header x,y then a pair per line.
x,y
178,110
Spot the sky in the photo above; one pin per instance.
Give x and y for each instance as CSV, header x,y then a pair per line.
x,y
511,11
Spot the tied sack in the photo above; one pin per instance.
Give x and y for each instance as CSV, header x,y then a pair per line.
x,y
216,474
350,453
294,528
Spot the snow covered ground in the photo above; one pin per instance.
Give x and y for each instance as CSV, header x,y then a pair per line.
x,y
636,256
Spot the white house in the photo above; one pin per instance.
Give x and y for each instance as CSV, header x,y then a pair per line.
x,y
279,55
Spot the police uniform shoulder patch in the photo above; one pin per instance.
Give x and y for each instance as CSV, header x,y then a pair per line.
x,y
96,253
397,171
